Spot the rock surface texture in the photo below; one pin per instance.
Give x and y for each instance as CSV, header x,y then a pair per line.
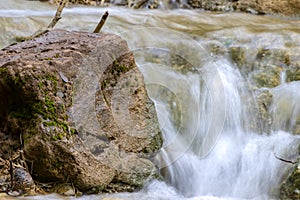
x,y
74,105
285,7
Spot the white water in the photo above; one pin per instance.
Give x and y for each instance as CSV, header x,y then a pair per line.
x,y
214,148
218,150
218,156
286,107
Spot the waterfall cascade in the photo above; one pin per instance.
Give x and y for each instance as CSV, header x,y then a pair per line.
x,y
220,155
215,141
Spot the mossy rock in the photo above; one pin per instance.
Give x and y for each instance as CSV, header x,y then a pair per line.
x,y
268,77
238,55
290,189
273,56
293,74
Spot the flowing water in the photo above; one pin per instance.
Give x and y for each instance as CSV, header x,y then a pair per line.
x,y
215,146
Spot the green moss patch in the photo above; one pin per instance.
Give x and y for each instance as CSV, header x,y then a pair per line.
x,y
30,95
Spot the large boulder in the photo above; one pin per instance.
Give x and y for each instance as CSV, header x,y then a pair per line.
x,y
75,106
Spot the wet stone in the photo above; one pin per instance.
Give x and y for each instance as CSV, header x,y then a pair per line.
x,y
22,180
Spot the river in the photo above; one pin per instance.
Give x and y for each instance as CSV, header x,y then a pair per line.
x,y
216,146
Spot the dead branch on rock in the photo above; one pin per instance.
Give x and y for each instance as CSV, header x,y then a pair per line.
x,y
57,16
54,21
284,160
101,22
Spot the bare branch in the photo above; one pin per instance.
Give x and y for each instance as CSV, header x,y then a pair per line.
x,y
101,22
11,172
284,160
54,21
57,16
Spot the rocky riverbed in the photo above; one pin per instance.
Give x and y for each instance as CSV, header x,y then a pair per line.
x,y
282,7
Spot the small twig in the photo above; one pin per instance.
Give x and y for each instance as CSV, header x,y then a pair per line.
x,y
57,16
283,160
2,162
31,167
67,178
18,166
101,22
11,172
15,156
21,152
23,160
54,21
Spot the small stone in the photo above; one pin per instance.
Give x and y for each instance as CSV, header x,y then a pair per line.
x,y
60,94
63,77
69,192
22,180
14,193
65,189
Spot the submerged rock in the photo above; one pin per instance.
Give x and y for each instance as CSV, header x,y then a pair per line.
x,y
76,104
268,76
